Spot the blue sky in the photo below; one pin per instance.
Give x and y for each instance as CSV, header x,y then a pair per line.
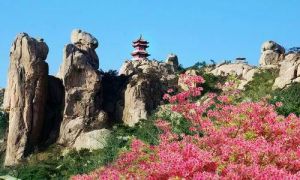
x,y
195,30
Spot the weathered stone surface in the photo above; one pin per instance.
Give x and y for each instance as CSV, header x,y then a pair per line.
x,y
82,82
163,70
92,140
88,43
247,77
142,95
1,96
271,53
238,69
289,71
148,80
25,96
172,59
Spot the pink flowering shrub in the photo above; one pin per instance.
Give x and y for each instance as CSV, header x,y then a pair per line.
x,y
237,141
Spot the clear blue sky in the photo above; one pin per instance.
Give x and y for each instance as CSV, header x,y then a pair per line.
x,y
195,30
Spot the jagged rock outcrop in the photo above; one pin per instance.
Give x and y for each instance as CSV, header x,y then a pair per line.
x,y
172,59
148,80
25,97
289,71
242,70
83,93
271,54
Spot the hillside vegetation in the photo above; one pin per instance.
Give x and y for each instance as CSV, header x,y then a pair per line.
x,y
210,131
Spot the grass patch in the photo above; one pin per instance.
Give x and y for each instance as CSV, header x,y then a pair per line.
x,y
261,85
51,164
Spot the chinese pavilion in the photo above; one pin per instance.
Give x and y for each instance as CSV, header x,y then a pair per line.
x,y
140,46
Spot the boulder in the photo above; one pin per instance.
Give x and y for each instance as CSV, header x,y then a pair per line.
x,y
238,69
92,140
147,82
271,53
25,96
82,83
289,71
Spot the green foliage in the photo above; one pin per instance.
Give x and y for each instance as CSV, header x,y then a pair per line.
x,y
290,97
55,166
180,69
178,123
1,96
261,85
211,82
3,123
3,131
52,165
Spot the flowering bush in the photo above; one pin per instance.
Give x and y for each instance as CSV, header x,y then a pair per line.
x,y
248,140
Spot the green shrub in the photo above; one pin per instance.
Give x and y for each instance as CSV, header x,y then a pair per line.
x,y
3,124
178,123
1,96
290,97
56,166
261,85
211,81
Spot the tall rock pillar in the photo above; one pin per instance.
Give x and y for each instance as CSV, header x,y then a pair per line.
x,y
82,83
25,96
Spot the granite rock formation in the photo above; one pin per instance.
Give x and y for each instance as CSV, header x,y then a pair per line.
x,y
172,59
83,93
25,97
242,70
146,85
289,71
271,54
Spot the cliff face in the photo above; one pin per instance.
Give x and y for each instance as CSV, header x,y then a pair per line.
x,y
148,80
76,108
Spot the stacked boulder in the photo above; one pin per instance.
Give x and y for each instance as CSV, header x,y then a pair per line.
x,y
274,55
83,93
271,54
